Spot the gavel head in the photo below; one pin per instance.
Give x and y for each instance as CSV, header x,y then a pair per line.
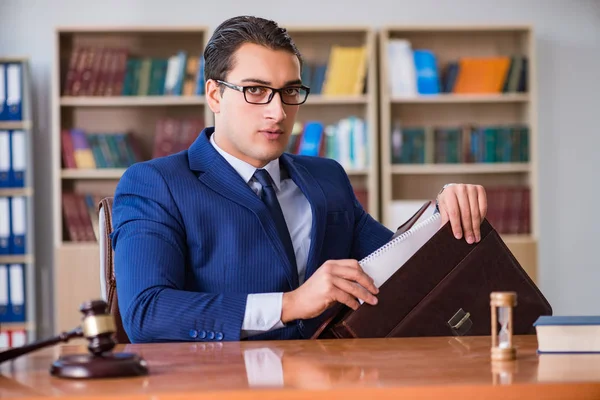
x,y
98,327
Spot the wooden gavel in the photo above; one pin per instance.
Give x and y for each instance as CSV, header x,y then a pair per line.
x,y
98,327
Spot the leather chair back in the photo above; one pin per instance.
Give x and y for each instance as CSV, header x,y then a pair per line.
x,y
108,282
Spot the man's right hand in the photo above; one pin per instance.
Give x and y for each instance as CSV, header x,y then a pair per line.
x,y
341,281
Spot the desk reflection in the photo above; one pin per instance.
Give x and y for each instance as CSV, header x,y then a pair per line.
x,y
272,367
236,367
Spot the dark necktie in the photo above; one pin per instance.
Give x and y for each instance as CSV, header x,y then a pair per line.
x,y
269,197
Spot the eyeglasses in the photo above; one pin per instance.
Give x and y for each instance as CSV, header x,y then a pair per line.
x,y
291,95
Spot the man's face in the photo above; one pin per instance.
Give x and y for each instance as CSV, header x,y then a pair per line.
x,y
255,133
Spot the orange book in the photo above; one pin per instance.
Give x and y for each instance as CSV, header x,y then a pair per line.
x,y
481,74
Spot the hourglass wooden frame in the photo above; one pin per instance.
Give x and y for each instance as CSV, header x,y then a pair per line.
x,y
502,300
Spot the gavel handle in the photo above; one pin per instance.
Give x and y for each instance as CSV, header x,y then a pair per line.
x,y
19,351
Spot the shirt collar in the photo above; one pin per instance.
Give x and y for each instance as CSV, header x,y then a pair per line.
x,y
246,170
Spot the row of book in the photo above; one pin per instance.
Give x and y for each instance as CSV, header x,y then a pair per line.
x,y
13,159
85,150
13,225
344,73
509,208
12,292
11,91
114,71
92,150
175,134
80,214
417,72
459,144
345,141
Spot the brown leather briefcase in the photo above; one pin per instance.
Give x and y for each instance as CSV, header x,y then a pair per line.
x,y
443,290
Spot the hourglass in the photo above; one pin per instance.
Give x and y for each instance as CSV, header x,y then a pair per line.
x,y
501,304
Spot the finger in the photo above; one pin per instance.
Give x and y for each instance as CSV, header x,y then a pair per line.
x,y
352,264
465,213
345,298
482,200
355,290
444,214
475,216
451,206
357,275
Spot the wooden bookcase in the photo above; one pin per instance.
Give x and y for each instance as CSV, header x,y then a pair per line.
x,y
77,263
422,181
29,327
76,268
315,43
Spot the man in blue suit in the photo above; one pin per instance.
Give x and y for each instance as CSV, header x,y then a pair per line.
x,y
233,238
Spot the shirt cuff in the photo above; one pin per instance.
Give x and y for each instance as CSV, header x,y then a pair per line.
x,y
263,313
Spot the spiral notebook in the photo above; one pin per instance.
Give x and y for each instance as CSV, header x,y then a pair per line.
x,y
383,262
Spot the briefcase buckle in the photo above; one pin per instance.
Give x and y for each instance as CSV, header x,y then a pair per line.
x,y
460,323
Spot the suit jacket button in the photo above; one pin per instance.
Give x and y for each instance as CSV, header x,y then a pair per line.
x,y
210,335
202,334
219,336
193,333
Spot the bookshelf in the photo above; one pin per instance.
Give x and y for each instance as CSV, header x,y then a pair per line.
x,y
139,64
431,136
76,266
17,261
343,54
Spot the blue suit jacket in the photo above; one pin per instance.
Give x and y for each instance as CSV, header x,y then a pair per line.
x,y
192,240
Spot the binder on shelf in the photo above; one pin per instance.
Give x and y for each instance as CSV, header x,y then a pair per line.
x,y
12,293
16,278
12,338
4,157
4,292
4,339
5,218
3,107
18,338
18,224
14,92
18,159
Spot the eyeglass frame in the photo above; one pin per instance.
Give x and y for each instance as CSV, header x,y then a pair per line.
x,y
243,89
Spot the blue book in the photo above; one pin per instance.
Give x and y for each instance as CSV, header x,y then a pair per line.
x,y
310,142
568,334
428,81
200,82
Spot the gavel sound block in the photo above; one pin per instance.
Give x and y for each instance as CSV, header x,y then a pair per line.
x,y
98,327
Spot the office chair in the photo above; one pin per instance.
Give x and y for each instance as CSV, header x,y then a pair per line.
x,y
108,282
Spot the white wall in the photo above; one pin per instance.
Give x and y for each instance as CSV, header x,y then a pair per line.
x,y
568,43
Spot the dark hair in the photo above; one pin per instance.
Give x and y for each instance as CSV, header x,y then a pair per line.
x,y
234,32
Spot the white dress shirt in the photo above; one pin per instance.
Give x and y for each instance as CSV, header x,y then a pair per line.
x,y
263,310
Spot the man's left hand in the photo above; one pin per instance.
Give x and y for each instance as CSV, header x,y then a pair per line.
x,y
465,206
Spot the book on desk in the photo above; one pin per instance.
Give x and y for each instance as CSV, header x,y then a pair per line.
x,y
568,334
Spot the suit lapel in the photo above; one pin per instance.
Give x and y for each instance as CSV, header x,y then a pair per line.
x,y
318,203
221,177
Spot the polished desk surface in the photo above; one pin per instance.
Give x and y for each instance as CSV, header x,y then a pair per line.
x,y
444,367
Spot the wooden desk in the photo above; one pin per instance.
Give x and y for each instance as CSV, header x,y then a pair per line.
x,y
415,368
